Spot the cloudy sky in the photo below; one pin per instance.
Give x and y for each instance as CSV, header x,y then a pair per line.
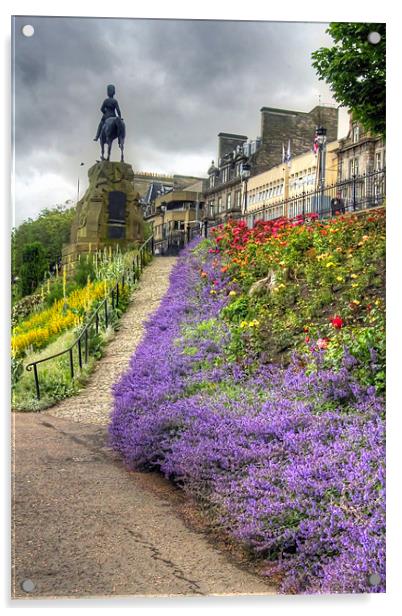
x,y
178,83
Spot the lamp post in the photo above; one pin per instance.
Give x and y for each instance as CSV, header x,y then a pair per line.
x,y
245,174
321,138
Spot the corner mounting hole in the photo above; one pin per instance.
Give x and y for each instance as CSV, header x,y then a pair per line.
x,y
374,38
28,30
28,586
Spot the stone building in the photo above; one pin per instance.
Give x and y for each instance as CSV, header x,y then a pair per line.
x,y
238,159
281,126
152,185
361,168
275,191
175,216
360,153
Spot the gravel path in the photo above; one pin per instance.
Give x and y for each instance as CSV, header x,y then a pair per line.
x,y
82,525
93,404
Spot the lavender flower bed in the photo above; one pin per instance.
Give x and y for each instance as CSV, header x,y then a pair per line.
x,y
292,465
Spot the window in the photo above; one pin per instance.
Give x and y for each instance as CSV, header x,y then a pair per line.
x,y
378,161
225,174
212,180
353,167
219,205
229,201
238,198
355,134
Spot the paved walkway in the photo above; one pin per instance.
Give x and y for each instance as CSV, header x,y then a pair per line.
x,y
93,404
82,524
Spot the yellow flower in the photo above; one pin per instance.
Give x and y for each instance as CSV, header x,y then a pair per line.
x,y
355,301
212,292
353,275
339,278
232,293
330,264
243,324
354,285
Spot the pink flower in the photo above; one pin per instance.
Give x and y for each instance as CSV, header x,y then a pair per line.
x,y
322,343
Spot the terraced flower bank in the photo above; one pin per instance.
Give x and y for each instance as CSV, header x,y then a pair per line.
x,y
287,456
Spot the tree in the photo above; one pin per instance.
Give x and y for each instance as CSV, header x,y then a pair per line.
x,y
34,265
354,68
51,229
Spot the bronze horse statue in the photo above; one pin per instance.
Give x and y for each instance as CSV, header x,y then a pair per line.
x,y
113,128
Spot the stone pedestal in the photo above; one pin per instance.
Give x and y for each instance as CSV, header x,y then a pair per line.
x,y
108,214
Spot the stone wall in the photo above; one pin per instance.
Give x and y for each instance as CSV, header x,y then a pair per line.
x,y
279,126
227,142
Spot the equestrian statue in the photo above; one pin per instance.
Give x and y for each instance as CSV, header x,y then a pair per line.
x,y
111,126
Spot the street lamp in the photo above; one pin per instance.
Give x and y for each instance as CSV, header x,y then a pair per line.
x,y
245,174
321,139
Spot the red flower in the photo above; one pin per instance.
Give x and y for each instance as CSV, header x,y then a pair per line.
x,y
307,339
337,322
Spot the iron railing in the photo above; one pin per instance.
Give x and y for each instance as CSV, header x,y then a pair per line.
x,y
357,193
101,315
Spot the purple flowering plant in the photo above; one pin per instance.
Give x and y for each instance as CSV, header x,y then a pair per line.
x,y
289,461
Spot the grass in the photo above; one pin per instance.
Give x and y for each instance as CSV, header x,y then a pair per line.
x,y
54,375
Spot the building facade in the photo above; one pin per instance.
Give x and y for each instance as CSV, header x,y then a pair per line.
x,y
360,153
276,189
239,160
175,217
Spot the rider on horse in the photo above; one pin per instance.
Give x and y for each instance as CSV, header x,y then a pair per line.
x,y
110,109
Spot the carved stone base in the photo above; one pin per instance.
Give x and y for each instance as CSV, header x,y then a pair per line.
x,y
108,214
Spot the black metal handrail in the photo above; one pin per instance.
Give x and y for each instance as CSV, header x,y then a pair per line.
x,y
357,193
136,268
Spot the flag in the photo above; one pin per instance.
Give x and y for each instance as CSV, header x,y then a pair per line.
x,y
283,154
288,154
316,146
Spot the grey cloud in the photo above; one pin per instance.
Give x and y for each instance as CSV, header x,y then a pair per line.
x,y
178,83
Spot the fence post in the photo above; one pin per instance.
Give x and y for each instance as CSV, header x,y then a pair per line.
x,y
304,204
354,192
79,353
86,345
113,298
106,315
71,363
97,323
117,294
36,381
